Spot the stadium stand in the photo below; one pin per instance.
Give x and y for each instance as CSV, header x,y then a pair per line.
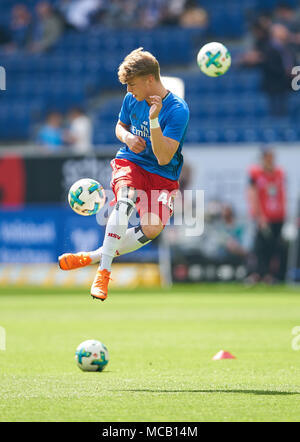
x,y
81,65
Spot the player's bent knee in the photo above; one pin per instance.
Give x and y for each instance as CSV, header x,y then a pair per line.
x,y
128,193
152,232
126,200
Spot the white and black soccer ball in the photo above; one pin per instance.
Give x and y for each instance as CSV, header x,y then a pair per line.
x,y
91,355
214,59
86,197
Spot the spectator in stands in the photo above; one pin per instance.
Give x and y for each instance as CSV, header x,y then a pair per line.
x,y
171,12
21,27
260,32
276,60
151,13
80,132
225,239
48,29
233,234
50,135
121,14
193,16
277,63
79,14
285,15
267,205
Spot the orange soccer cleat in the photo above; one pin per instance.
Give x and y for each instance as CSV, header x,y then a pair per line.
x,y
100,284
70,261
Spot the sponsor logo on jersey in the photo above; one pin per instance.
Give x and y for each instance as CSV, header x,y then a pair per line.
x,y
143,132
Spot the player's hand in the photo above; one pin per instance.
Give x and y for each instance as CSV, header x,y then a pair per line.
x,y
135,143
264,226
156,105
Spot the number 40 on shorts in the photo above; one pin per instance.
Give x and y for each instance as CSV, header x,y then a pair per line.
x,y
167,199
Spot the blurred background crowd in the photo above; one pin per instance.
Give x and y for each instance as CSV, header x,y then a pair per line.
x,y
64,54
62,97
37,27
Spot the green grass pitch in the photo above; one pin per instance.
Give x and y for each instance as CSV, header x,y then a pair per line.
x,y
161,344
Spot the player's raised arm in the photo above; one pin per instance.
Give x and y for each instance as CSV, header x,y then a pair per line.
x,y
163,147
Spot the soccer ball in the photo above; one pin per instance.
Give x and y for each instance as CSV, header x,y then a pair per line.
x,y
91,355
214,59
86,197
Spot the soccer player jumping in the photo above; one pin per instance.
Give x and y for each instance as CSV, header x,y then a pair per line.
x,y
152,125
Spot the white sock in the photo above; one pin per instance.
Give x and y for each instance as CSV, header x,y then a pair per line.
x,y
133,240
115,231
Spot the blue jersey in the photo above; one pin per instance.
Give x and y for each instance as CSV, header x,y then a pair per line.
x,y
173,119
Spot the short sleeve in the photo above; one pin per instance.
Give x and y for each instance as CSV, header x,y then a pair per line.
x,y
177,123
253,174
124,115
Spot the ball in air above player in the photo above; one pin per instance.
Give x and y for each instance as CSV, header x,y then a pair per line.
x,y
214,59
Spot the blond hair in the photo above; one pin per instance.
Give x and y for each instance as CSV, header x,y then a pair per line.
x,y
138,63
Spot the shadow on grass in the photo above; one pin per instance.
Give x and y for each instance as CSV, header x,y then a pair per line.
x,y
257,392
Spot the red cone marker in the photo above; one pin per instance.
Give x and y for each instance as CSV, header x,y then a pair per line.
x,y
223,355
